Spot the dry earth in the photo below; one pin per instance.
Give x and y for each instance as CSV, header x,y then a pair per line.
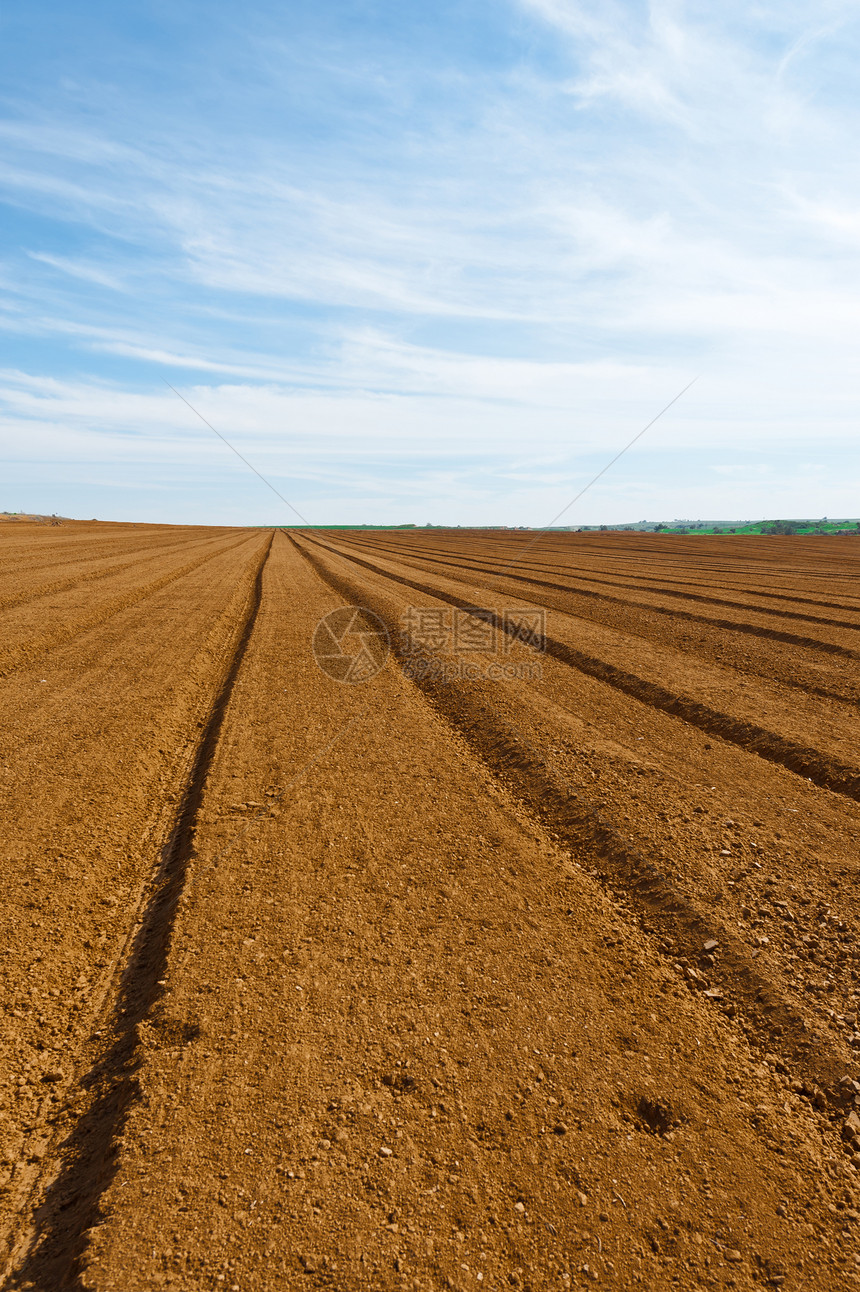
x,y
444,979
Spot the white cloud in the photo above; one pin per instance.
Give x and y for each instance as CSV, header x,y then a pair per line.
x,y
542,257
78,269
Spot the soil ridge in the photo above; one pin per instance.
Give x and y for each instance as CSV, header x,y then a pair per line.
x,y
71,1206
771,1021
824,771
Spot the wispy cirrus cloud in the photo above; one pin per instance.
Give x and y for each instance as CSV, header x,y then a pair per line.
x,y
79,269
519,226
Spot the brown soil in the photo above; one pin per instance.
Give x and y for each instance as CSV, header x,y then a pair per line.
x,y
425,983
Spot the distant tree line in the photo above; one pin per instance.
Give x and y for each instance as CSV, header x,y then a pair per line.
x,y
781,527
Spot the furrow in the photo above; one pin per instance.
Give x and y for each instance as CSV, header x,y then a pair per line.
x,y
24,653
660,588
731,625
23,596
46,1251
826,772
769,1018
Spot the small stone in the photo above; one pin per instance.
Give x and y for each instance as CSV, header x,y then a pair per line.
x,y
386,1152
732,1254
52,1075
851,1126
582,1199
559,1129
309,1264
518,1206
604,1216
710,945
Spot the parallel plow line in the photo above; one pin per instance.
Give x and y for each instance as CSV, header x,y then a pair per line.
x,y
45,1252
770,1020
802,760
25,652
755,630
82,580
554,566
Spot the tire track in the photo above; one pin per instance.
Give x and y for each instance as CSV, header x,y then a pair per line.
x,y
827,773
24,653
769,1019
46,1255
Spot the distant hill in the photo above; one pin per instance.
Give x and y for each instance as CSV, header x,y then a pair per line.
x,y
766,527
31,517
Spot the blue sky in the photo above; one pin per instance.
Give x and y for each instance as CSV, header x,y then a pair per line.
x,y
429,263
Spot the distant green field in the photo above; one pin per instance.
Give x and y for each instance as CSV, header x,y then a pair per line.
x,y
770,527
766,527
406,526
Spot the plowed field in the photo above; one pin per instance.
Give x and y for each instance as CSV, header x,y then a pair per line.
x,y
529,959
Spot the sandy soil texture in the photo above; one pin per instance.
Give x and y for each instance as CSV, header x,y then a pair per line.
x,y
528,961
